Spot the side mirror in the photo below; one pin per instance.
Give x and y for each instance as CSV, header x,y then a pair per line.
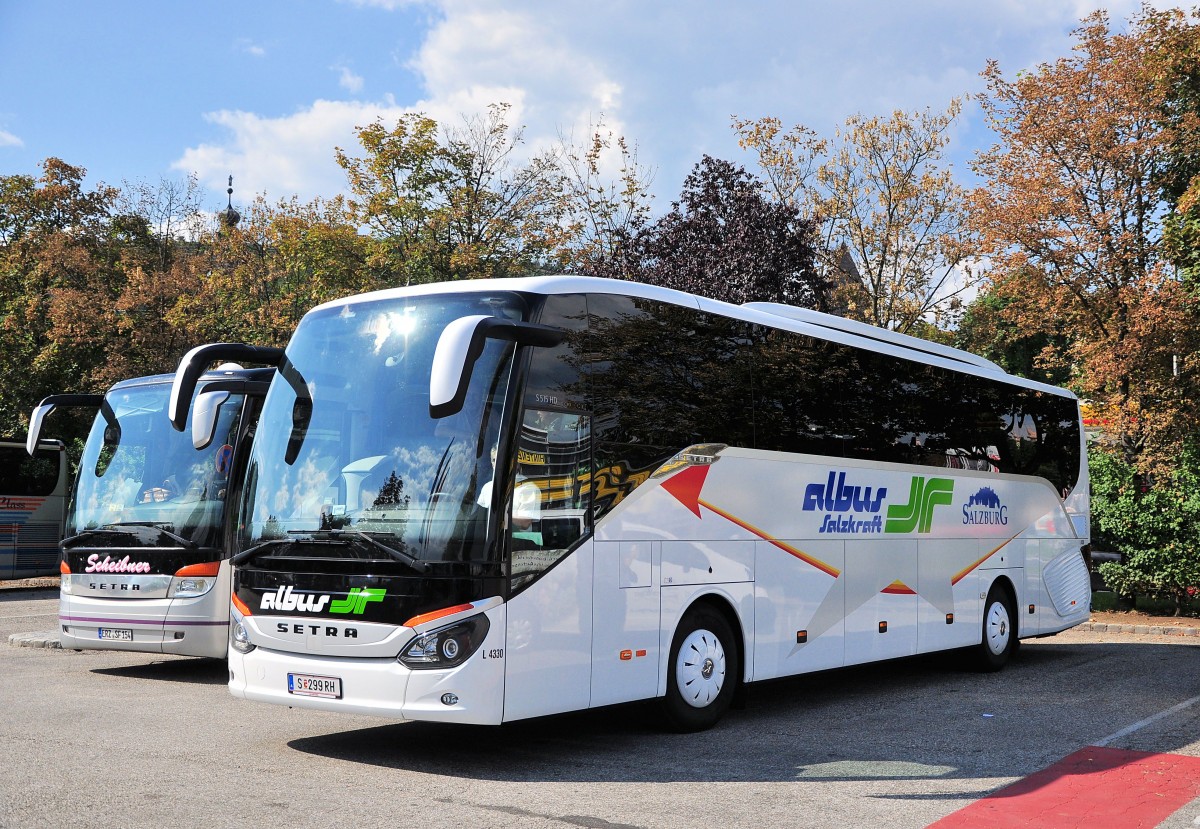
x,y
460,345
204,417
194,363
49,404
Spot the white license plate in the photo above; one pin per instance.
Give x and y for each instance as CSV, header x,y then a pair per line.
x,y
116,634
307,685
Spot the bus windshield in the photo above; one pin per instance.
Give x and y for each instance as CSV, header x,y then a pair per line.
x,y
346,447
143,484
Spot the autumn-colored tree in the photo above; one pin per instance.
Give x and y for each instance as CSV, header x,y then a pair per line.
x,y
894,241
54,243
1071,216
253,282
454,203
726,240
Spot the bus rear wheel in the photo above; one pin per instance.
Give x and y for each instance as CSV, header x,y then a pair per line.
x,y
702,675
999,631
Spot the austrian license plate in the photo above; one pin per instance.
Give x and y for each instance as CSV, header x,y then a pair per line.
x,y
116,634
307,685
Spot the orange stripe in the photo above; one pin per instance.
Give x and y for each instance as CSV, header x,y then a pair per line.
x,y
828,569
899,588
436,614
962,574
240,605
208,568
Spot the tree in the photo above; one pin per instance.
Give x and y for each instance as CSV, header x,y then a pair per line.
x,y
987,329
54,243
1071,216
255,281
894,240
455,203
725,240
603,213
1157,527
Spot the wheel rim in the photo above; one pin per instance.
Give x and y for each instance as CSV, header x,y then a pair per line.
x,y
997,629
700,668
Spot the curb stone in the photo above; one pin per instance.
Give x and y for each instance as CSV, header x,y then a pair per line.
x,y
1152,630
35,640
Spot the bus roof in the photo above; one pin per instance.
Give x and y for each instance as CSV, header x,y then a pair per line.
x,y
775,315
208,376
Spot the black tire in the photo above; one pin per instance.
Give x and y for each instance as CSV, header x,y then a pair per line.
x,y
999,640
703,671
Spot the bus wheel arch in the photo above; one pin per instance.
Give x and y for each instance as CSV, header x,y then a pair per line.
x,y
704,666
999,634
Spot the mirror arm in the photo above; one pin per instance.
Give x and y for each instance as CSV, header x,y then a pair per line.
x,y
49,404
196,361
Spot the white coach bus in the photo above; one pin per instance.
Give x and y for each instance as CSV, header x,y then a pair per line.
x,y
34,482
483,501
145,564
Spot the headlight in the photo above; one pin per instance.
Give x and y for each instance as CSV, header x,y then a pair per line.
x,y
190,587
446,647
194,580
239,637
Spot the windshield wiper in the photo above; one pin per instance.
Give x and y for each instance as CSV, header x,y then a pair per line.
x,y
351,536
251,552
395,553
126,528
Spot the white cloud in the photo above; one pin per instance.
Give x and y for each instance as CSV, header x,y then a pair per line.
x,y
251,48
292,154
7,139
667,76
347,80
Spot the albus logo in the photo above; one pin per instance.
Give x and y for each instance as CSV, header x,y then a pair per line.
x,y
285,599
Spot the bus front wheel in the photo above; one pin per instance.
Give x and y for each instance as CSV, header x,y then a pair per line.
x,y
703,671
999,631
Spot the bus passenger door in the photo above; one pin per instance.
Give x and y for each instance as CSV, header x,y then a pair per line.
x,y
549,630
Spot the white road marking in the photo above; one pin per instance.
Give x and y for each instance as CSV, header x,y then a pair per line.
x,y
1152,719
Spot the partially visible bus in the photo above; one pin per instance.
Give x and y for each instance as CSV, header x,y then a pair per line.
x,y
33,496
484,501
145,560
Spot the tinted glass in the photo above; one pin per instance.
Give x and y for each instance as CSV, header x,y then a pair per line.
x,y
137,470
22,475
345,441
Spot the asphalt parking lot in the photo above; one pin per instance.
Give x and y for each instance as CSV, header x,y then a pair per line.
x,y
108,739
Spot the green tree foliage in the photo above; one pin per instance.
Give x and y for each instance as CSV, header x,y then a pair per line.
x,y
254,282
726,240
447,204
1154,523
987,329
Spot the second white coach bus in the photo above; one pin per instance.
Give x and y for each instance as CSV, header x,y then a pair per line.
x,y
34,483
145,561
484,501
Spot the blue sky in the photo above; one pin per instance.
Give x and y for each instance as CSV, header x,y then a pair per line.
x,y
264,90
